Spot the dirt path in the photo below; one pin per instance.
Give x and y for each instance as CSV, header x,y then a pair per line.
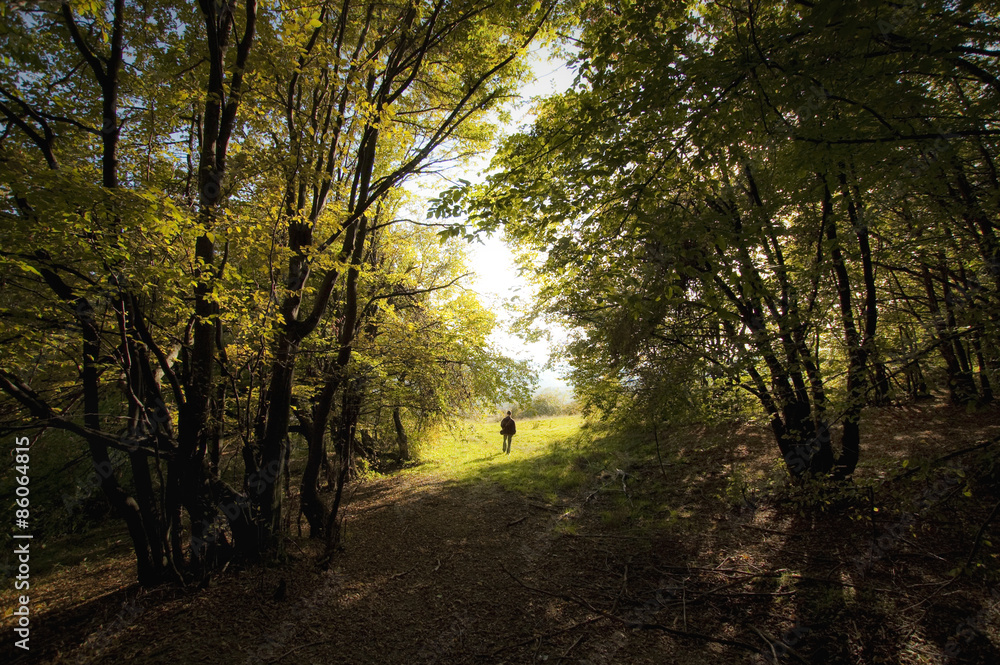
x,y
435,571
422,579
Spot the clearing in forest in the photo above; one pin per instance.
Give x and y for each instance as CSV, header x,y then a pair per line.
x,y
581,547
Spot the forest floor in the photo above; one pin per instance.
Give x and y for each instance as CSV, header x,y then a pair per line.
x,y
585,547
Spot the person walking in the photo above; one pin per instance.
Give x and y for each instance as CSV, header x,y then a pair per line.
x,y
508,428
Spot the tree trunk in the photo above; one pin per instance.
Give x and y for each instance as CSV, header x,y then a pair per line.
x,y
961,388
857,355
401,439
985,387
916,385
312,506
345,430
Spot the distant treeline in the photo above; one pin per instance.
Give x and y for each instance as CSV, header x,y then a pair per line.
x,y
549,402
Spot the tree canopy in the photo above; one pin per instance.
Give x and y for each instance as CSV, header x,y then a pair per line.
x,y
779,207
202,248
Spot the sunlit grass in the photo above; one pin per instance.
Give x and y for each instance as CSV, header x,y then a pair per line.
x,y
550,457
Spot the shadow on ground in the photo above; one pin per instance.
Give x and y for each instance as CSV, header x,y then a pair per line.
x,y
592,551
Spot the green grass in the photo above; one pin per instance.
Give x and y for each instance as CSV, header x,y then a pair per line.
x,y
549,457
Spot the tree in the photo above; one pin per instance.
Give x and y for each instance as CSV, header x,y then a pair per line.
x,y
548,402
89,257
404,106
158,166
707,195
421,349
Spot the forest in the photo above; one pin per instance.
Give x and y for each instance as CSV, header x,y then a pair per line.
x,y
234,324
780,203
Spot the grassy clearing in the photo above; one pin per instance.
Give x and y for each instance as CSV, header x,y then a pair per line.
x,y
471,451
570,462
549,457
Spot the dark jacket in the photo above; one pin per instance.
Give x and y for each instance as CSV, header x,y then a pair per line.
x,y
507,427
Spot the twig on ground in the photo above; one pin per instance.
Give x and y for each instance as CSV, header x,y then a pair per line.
x,y
543,506
517,521
848,585
958,488
631,624
684,607
622,589
771,639
405,572
937,590
553,633
769,643
723,587
296,648
774,531
571,647
709,570
623,475
979,535
945,458
292,541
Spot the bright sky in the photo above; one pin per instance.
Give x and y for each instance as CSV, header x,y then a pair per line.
x,y
496,279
